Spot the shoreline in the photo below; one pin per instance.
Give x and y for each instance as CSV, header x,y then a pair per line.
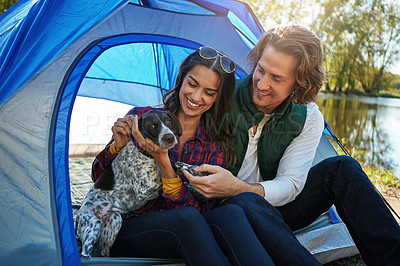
x,y
385,94
85,150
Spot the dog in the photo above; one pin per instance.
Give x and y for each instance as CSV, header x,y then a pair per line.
x,y
129,183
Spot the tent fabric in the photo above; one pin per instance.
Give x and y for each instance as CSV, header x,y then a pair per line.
x,y
53,50
46,30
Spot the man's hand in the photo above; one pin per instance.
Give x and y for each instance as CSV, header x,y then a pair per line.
x,y
220,183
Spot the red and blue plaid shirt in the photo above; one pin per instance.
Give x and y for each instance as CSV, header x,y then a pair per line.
x,y
198,150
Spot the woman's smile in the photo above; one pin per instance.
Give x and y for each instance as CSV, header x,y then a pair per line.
x,y
192,104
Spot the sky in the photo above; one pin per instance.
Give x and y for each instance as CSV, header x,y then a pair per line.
x,y
395,69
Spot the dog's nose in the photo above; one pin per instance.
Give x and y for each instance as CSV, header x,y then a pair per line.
x,y
168,138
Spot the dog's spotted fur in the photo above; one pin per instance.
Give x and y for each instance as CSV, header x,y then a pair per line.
x,y
130,182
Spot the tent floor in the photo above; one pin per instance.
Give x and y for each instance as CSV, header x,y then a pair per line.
x,y
130,261
327,241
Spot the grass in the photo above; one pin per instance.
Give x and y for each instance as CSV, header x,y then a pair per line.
x,y
382,176
392,93
389,94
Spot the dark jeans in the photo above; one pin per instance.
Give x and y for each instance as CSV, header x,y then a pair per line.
x,y
250,231
340,181
179,233
236,237
185,233
275,235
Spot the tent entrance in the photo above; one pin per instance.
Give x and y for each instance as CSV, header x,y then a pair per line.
x,y
135,69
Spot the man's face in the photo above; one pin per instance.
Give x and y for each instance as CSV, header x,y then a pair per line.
x,y
273,79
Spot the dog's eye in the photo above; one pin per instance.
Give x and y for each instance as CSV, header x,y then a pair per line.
x,y
167,121
152,126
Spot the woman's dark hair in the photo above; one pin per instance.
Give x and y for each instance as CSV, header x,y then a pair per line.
x,y
217,117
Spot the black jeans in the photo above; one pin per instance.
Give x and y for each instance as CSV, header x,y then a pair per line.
x,y
178,233
249,231
210,239
341,181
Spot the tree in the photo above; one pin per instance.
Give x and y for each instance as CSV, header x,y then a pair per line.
x,y
361,38
381,46
337,25
275,12
6,4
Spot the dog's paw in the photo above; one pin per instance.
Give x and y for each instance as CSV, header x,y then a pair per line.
x,y
178,167
85,256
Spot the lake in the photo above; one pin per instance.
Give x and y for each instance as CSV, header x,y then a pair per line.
x,y
368,126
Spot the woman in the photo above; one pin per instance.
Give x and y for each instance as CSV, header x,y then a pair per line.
x,y
204,85
176,225
201,96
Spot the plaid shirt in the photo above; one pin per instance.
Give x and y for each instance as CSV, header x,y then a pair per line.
x,y
198,150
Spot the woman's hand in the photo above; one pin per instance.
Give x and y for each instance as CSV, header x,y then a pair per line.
x,y
122,131
146,144
220,183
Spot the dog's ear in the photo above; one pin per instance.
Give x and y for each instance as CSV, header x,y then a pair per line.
x,y
144,121
176,125
140,124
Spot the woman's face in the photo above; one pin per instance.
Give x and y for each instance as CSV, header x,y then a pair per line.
x,y
199,91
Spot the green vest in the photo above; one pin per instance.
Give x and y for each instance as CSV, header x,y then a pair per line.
x,y
285,124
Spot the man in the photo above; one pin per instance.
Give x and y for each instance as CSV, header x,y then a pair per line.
x,y
277,128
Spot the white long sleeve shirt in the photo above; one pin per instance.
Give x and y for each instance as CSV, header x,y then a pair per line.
x,y
294,165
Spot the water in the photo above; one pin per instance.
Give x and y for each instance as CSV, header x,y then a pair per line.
x,y
370,127
80,180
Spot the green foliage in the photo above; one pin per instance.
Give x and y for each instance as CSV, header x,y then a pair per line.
x,y
284,11
6,4
361,37
395,82
382,176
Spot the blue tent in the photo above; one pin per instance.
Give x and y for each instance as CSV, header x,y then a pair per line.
x,y
126,51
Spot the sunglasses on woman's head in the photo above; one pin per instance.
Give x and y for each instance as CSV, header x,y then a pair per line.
x,y
226,63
